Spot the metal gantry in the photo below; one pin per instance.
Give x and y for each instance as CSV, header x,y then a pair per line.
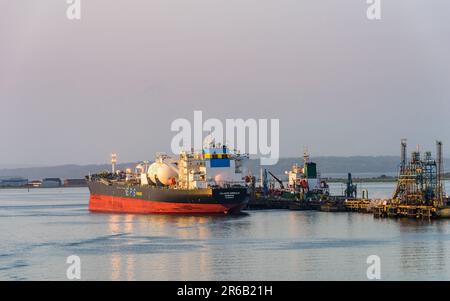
x,y
419,180
419,191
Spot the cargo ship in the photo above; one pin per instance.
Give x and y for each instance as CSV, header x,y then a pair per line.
x,y
211,181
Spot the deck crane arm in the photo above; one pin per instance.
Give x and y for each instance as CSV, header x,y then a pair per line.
x,y
278,180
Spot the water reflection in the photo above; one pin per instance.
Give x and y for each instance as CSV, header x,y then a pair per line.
x,y
118,224
113,223
115,266
423,246
183,241
261,245
131,267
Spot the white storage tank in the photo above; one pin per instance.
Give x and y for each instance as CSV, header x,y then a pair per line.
x,y
163,172
152,170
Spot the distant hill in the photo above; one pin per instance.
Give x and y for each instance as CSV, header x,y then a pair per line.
x,y
328,166
61,171
338,166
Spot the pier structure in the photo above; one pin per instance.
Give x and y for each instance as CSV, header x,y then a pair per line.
x,y
419,191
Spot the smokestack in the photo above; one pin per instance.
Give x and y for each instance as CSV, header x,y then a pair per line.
x,y
403,154
440,171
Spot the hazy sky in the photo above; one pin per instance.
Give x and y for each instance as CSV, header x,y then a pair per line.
x,y
73,91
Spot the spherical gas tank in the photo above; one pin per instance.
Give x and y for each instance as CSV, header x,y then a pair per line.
x,y
163,172
152,171
166,173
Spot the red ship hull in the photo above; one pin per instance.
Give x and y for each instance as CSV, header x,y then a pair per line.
x,y
107,203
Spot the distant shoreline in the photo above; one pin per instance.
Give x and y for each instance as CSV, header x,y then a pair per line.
x,y
329,180
365,180
38,188
331,167
379,179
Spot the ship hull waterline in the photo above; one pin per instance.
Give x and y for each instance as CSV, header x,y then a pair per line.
x,y
111,204
154,200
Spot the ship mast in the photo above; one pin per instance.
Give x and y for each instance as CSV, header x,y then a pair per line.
x,y
113,162
305,155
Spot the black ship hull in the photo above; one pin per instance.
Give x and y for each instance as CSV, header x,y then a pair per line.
x,y
123,198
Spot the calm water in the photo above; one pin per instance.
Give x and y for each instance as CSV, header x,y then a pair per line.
x,y
41,228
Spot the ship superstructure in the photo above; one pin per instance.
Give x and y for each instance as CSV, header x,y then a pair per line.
x,y
214,166
306,178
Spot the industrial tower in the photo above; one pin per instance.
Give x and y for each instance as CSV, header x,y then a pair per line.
x,y
420,180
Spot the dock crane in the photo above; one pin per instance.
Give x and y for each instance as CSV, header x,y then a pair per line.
x,y
352,189
277,179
